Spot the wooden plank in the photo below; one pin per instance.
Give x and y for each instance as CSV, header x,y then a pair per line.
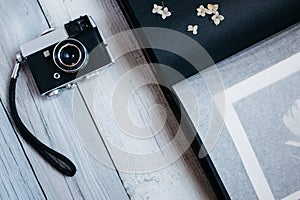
x,y
181,179
20,22
17,180
52,120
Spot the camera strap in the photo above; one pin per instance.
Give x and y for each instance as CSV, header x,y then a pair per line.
x,y
55,159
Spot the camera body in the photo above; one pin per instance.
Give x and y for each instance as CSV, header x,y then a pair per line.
x,y
59,58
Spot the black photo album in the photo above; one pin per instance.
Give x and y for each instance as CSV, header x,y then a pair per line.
x,y
241,24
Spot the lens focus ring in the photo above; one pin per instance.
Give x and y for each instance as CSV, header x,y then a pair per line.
x,y
70,55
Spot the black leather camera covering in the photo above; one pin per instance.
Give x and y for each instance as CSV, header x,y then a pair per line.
x,y
43,68
246,22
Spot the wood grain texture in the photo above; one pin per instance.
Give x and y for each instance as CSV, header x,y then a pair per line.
x,y
179,179
52,120
67,125
17,180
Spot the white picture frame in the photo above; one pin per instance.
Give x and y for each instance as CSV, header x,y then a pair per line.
x,y
236,130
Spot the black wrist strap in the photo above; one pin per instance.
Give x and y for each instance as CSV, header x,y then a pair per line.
x,y
57,160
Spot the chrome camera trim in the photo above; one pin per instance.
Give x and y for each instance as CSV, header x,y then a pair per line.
x,y
44,41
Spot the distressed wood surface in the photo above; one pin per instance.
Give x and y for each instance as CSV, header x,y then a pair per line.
x,y
52,120
80,123
17,180
182,178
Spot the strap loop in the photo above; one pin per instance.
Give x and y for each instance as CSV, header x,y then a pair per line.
x,y
55,159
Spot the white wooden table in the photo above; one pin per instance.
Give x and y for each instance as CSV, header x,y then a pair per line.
x,y
24,175
80,124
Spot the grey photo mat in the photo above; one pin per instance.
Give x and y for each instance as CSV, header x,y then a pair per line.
x,y
268,134
234,70
269,151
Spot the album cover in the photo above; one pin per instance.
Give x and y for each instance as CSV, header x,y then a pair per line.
x,y
245,23
262,134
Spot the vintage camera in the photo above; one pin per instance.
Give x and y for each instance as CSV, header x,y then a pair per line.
x,y
59,58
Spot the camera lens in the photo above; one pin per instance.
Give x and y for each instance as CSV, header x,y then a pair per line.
x,y
70,55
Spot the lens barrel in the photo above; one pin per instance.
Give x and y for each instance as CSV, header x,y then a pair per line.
x,y
70,55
